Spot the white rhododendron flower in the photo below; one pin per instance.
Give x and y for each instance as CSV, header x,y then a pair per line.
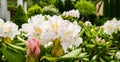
x,y
72,13
52,28
111,26
9,29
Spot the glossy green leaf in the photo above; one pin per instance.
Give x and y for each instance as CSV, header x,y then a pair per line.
x,y
16,47
90,45
73,54
11,55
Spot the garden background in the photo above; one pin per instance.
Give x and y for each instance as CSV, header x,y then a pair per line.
x,y
59,31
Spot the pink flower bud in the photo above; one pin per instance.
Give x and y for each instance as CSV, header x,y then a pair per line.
x,y
33,47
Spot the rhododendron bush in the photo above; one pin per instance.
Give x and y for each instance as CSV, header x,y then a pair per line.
x,y
55,38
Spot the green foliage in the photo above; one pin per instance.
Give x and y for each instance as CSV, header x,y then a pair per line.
x,y
35,1
100,21
42,3
60,5
12,10
29,3
11,2
20,16
34,10
13,56
68,5
50,10
97,44
13,52
64,6
51,1
85,7
72,56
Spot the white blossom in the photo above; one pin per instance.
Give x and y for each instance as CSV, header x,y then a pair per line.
x,y
72,13
9,29
111,26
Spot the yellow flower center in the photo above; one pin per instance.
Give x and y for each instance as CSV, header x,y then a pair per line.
x,y
38,30
55,26
67,32
7,40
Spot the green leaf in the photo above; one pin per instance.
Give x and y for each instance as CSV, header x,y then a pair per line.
x,y
93,31
90,45
11,55
49,58
85,59
94,57
82,32
102,60
83,55
88,34
73,54
16,47
20,44
107,57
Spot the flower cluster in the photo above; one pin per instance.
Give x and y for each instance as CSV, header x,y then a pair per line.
x,y
8,29
71,13
111,26
49,28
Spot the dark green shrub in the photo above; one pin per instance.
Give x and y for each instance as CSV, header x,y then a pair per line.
x,y
42,3
69,5
29,3
64,5
51,2
12,10
35,1
11,2
20,16
100,21
50,10
60,5
85,7
34,10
